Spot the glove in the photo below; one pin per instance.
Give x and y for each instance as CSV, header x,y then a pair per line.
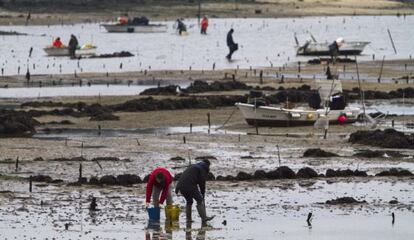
x,y
147,205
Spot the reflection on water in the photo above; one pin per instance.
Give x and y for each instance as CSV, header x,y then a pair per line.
x,y
154,231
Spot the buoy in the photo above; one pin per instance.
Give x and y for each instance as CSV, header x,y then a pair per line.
x,y
342,119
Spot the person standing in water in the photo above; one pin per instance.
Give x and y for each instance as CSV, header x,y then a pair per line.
x,y
204,25
231,44
73,44
192,185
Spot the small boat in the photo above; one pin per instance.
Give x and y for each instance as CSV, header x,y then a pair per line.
x,y
322,49
86,50
134,25
261,115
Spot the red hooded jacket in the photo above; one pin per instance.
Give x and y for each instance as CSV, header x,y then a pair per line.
x,y
152,182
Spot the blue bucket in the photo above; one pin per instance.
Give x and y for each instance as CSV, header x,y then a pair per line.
x,y
154,213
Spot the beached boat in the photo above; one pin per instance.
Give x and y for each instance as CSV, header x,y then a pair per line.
x,y
261,115
150,28
64,51
311,48
134,25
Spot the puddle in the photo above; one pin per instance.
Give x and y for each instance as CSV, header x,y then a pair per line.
x,y
93,90
160,51
69,133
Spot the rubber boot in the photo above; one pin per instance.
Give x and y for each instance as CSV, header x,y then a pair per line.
x,y
201,208
188,213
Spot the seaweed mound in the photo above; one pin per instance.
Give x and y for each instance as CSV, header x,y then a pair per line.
x,y
317,152
16,124
389,138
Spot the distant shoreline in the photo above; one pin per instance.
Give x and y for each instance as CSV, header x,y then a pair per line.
x,y
17,14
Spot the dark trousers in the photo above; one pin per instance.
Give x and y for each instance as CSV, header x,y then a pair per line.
x,y
190,195
232,49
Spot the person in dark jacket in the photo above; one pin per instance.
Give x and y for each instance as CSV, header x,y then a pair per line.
x,y
73,44
334,49
231,44
181,27
192,185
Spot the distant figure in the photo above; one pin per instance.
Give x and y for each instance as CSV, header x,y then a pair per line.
x,y
181,27
57,43
204,25
231,44
334,49
329,75
73,44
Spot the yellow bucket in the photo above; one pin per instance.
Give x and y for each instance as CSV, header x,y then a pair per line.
x,y
172,212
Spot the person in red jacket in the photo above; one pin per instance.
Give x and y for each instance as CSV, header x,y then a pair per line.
x,y
57,43
159,181
204,25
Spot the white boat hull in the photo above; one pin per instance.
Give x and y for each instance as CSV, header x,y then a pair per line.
x,y
151,28
282,117
60,52
318,49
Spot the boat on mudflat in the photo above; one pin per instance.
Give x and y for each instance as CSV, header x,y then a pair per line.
x,y
64,51
311,48
334,111
134,25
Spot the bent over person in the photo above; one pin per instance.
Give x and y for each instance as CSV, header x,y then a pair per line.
x,y
192,185
159,182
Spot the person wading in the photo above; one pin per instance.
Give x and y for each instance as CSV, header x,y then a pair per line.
x,y
73,44
192,185
204,25
159,181
231,44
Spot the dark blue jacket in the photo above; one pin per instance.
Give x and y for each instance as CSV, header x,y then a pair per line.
x,y
192,178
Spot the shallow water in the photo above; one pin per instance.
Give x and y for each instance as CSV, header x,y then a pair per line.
x,y
263,43
260,210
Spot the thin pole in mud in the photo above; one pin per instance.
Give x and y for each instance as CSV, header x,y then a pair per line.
x,y
184,141
278,154
239,137
80,172
99,130
261,76
382,66
360,88
66,141
30,183
392,41
17,164
393,218
308,220
139,144
256,126
209,122
191,128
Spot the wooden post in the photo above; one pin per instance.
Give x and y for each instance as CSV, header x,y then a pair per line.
x,y
184,141
382,66
191,128
392,123
278,154
17,164
208,122
239,137
80,172
30,183
261,76
392,41
99,130
393,218
299,66
139,144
